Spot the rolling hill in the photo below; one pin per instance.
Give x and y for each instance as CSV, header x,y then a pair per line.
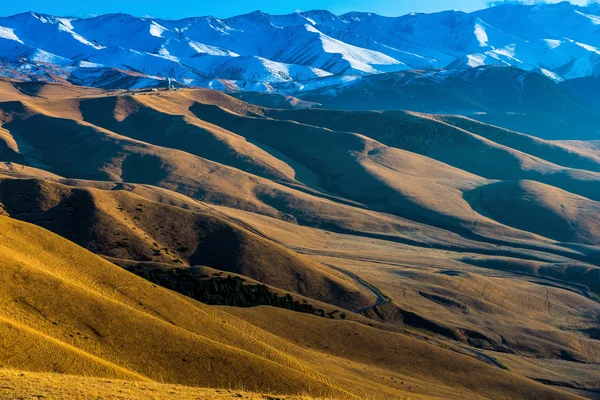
x,y
110,324
463,256
127,226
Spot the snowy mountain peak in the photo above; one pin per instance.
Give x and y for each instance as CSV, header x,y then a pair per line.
x,y
560,41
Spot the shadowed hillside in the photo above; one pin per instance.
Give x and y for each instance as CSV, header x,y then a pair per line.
x,y
539,208
471,250
126,226
509,97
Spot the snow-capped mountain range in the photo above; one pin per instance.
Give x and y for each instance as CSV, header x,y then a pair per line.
x,y
258,51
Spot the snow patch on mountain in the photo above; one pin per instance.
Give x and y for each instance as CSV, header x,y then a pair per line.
x,y
556,40
156,30
8,33
481,35
549,74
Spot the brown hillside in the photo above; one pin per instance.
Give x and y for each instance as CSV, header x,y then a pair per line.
x,y
540,208
461,241
108,323
123,225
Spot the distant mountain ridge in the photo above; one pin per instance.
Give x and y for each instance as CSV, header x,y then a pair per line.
x,y
523,101
256,50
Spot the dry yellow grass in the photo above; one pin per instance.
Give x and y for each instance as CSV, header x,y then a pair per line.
x,y
124,225
9,92
167,139
379,212
32,386
15,170
526,306
111,324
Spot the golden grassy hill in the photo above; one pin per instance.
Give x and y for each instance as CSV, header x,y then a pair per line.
x,y
124,225
15,170
454,234
129,226
81,331
424,133
541,309
110,324
8,91
30,385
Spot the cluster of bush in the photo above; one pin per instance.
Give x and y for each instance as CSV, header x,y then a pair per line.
x,y
228,291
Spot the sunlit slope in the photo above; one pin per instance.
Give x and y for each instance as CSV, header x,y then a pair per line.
x,y
376,212
165,122
12,170
503,311
335,179
542,310
111,324
124,225
19,384
107,322
56,144
394,178
9,92
391,351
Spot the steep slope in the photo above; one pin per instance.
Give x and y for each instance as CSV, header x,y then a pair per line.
x,y
311,336
50,34
54,386
72,333
253,69
312,47
550,20
126,226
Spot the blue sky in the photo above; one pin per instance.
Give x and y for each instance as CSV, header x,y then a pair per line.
x,y
173,9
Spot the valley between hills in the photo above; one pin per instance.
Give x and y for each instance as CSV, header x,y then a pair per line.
x,y
187,243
